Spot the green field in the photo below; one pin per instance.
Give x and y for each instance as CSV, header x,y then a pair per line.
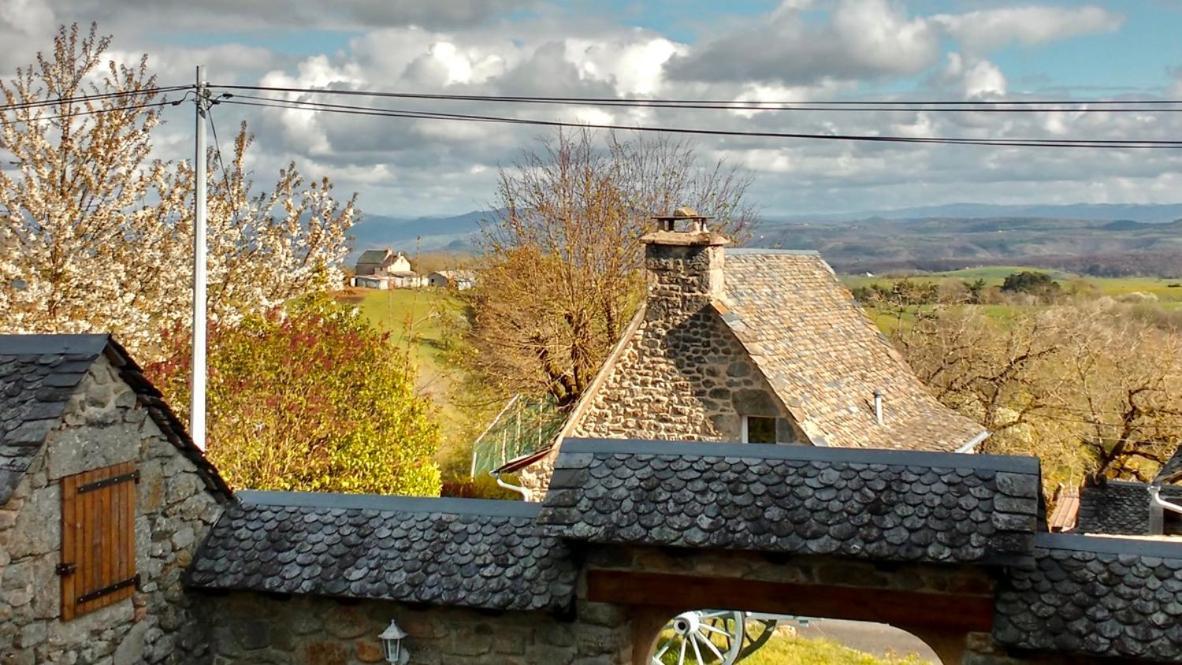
x,y
1168,296
419,321
791,650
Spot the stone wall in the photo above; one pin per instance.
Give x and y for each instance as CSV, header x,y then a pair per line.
x,y
681,374
252,629
103,425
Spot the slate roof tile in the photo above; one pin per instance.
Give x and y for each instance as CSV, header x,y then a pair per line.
x,y
464,552
1103,597
825,358
1171,471
38,376
893,505
1118,507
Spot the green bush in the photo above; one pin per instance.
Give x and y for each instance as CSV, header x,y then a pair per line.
x,y
310,397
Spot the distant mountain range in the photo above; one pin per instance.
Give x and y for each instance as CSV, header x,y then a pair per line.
x,y
1096,238
412,235
1150,213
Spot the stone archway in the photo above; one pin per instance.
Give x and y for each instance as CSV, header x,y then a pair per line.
x,y
942,606
712,637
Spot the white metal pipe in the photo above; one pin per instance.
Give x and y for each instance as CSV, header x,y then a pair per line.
x,y
197,392
513,488
878,406
1155,495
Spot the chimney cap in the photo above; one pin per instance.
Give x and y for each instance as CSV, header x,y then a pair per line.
x,y
683,212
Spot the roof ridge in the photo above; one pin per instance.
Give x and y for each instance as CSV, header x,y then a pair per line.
x,y
748,251
1077,542
803,453
388,503
51,344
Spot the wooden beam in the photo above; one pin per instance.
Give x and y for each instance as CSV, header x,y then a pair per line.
x,y
899,608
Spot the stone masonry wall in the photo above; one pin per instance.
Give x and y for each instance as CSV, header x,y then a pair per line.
x,y
683,375
251,629
103,425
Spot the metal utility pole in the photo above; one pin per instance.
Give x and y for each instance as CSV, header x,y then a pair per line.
x,y
197,392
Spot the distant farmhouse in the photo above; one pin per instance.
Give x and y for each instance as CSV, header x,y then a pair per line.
x,y
755,346
385,269
382,262
456,279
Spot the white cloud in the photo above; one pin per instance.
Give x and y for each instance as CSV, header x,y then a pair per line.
x,y
801,51
271,14
974,78
989,29
860,39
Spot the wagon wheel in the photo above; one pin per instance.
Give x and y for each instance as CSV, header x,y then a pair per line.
x,y
756,633
701,637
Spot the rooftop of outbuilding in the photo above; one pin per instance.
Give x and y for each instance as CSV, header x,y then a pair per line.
x,y
38,376
878,504
474,553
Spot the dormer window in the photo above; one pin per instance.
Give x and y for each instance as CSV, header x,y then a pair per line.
x,y
759,429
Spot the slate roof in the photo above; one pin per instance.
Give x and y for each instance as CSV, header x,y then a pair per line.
x,y
888,505
1118,507
39,374
825,358
465,552
1171,471
375,256
1097,597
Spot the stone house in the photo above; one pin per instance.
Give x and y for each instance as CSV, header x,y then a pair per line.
x,y
381,262
103,500
753,346
950,547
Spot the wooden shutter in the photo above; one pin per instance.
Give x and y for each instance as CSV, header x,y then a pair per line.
x,y
98,539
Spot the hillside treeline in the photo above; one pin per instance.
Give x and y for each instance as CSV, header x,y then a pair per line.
x,y
1122,264
1088,386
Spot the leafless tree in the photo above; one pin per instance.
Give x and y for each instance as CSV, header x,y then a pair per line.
x,y
560,275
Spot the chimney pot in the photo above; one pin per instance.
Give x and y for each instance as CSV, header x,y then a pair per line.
x,y
685,264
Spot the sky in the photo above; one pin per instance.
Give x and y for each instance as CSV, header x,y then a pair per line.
x,y
794,50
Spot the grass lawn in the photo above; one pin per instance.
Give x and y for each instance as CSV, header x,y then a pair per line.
x,y
792,650
785,649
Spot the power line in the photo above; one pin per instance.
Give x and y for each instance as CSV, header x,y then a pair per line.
x,y
976,106
18,106
436,115
114,109
217,145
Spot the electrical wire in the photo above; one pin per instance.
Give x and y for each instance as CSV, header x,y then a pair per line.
x,y
229,98
217,145
114,109
1013,106
18,106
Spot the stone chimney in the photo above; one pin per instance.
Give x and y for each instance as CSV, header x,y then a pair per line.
x,y
683,265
